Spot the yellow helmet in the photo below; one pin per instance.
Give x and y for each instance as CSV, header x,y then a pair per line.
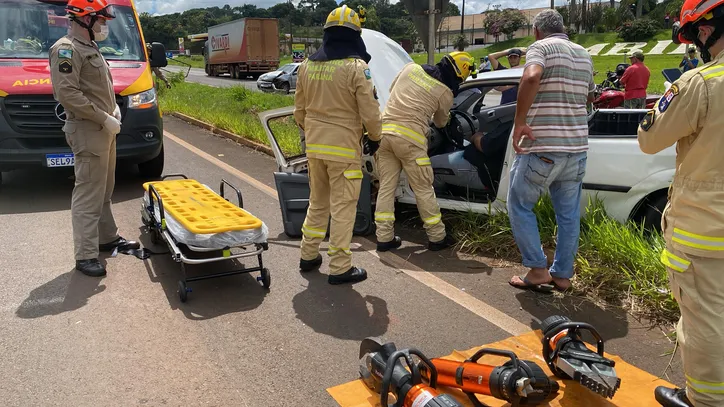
x,y
463,63
345,17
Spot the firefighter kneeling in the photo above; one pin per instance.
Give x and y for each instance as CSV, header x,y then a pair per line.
x,y
334,99
418,94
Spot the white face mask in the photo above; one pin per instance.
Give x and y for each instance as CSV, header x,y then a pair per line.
x,y
103,34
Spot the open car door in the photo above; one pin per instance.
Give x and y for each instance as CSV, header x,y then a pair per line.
x,y
291,179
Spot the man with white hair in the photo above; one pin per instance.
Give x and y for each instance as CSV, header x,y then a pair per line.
x,y
551,140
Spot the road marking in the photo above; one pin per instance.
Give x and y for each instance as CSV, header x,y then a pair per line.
x,y
467,301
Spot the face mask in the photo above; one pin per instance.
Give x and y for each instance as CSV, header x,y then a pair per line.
x,y
103,34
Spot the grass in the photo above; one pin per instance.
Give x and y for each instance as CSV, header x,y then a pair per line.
x,y
601,63
616,263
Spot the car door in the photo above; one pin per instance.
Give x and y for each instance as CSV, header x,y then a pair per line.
x,y
292,180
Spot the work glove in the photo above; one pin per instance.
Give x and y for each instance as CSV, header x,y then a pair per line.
x,y
112,125
117,113
370,147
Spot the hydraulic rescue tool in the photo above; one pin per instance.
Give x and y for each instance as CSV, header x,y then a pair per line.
x,y
519,382
568,357
382,372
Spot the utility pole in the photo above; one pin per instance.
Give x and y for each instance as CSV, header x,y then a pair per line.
x,y
462,19
431,32
291,34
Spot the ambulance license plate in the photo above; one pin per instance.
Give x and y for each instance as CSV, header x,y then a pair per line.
x,y
60,160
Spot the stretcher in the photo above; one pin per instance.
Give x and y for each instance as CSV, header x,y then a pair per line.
x,y
200,226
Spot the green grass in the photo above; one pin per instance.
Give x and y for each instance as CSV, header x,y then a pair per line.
x,y
601,63
232,109
616,263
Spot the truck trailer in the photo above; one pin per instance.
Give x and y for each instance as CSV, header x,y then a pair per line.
x,y
241,48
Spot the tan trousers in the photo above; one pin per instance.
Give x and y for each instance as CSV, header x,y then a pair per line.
x,y
393,156
698,286
95,170
335,189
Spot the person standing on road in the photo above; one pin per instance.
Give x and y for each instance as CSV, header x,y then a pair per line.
x,y
418,93
635,80
692,223
550,138
509,92
82,84
335,98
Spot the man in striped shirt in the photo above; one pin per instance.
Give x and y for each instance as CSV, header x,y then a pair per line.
x,y
551,141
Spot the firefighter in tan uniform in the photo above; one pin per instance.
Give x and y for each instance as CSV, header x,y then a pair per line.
x,y
82,84
688,115
418,94
334,102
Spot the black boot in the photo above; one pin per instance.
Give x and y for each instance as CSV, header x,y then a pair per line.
x,y
92,267
309,265
121,244
392,244
353,275
672,397
443,244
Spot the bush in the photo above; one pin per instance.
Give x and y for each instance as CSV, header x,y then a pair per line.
x,y
638,30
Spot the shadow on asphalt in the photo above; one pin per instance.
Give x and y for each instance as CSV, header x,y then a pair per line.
x,y
67,292
340,311
50,189
210,298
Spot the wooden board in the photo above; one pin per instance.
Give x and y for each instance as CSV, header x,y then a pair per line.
x,y
637,386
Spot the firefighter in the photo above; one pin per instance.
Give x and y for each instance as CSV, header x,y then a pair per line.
x,y
335,101
687,115
418,93
82,84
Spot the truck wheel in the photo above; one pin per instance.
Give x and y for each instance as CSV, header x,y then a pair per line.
x,y
153,168
207,70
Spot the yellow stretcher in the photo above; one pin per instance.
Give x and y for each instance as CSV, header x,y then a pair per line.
x,y
194,221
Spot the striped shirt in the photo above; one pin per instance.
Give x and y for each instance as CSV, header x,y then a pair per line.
x,y
558,116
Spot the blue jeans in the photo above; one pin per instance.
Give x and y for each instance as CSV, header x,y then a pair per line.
x,y
531,176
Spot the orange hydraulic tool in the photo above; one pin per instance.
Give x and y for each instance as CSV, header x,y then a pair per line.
x,y
519,382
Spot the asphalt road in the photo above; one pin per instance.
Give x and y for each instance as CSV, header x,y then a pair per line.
x,y
198,75
126,339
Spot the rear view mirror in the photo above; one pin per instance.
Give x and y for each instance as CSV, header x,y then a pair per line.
x,y
157,58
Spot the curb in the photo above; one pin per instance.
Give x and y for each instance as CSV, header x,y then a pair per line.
x,y
225,134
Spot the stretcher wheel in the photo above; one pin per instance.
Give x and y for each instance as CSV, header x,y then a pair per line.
x,y
265,278
182,291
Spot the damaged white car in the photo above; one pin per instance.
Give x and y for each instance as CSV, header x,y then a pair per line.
x,y
631,184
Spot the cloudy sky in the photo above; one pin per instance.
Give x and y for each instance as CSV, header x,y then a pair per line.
x,y
471,6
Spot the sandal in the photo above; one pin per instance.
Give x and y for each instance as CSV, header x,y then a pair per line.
x,y
541,288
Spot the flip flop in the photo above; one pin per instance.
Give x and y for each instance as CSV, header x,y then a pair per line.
x,y
561,289
541,288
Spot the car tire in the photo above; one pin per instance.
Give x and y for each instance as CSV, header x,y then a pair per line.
x,y
153,168
652,213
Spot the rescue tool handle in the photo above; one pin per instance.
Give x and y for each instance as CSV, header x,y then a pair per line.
x,y
387,378
161,210
174,175
549,355
238,192
497,352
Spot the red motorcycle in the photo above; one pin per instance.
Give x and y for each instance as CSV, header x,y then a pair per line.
x,y
609,93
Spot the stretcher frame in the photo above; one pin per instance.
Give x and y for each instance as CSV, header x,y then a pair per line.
x,y
159,231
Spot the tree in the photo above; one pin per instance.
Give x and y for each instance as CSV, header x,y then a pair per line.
x,y
452,10
511,20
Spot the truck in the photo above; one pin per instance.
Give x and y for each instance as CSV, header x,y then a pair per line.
x,y
243,47
31,120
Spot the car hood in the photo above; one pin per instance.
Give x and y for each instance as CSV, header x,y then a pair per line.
x,y
388,59
271,75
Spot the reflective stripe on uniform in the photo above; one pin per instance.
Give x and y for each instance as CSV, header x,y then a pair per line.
x,y
675,262
433,220
698,241
382,216
334,250
353,174
422,161
705,387
331,150
311,232
713,71
404,131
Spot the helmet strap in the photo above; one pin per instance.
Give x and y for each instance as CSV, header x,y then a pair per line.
x,y
713,38
88,27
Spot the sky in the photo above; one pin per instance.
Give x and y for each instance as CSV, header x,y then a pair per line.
x,y
158,7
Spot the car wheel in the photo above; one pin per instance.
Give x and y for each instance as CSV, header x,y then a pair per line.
x,y
652,213
285,88
153,168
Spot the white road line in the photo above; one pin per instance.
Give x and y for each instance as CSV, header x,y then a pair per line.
x,y
467,301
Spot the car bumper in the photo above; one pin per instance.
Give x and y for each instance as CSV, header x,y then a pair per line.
x,y
21,150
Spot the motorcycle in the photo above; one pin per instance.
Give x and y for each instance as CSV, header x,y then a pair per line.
x,y
609,94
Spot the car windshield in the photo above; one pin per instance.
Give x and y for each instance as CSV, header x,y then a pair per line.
x,y
287,68
28,28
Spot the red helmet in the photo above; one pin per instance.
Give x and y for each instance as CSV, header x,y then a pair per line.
x,y
693,12
92,8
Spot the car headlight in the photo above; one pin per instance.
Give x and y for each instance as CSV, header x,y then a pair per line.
x,y
143,100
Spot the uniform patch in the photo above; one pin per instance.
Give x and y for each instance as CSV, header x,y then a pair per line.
x,y
667,98
65,53
648,120
65,66
368,74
